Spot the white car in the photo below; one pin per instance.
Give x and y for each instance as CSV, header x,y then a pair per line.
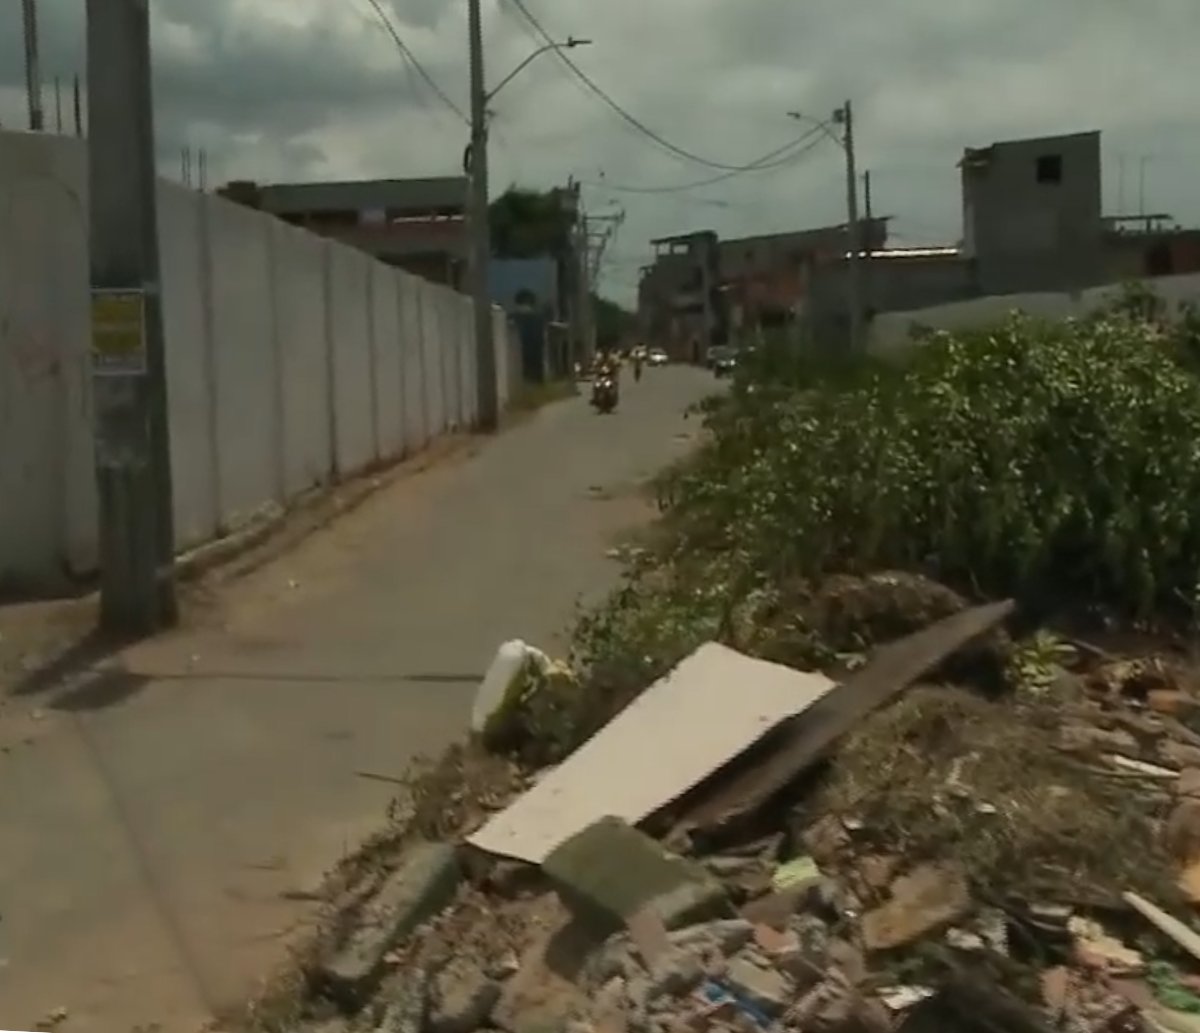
x,y
657,357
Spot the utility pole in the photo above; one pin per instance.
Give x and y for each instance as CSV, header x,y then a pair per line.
x,y
845,117
1142,184
58,109
33,71
203,171
485,350
867,195
78,104
133,468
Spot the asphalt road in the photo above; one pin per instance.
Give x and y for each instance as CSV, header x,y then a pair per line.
x,y
158,819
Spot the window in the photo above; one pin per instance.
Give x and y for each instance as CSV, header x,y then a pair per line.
x,y
1049,168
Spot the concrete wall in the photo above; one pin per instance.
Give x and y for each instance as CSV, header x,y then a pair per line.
x,y
891,333
889,285
291,360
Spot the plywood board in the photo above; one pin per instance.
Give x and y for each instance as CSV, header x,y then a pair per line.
x,y
707,711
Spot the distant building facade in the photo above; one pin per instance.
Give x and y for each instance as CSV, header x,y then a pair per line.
x,y
1032,214
680,305
415,224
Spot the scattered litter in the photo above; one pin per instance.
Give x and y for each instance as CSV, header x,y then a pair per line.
x,y
1165,923
502,681
1140,767
798,872
1097,949
901,998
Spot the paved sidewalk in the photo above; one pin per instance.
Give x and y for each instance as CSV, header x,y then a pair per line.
x,y
160,819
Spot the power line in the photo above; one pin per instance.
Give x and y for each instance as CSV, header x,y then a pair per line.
x,y
406,51
632,120
791,152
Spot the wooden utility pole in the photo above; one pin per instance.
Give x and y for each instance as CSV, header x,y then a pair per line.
x,y
485,350
133,468
33,69
845,117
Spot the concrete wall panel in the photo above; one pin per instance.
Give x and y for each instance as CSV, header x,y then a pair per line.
x,y
409,296
435,409
349,279
191,400
299,292
389,370
47,489
247,418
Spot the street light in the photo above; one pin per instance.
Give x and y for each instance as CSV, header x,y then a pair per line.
x,y
844,117
475,164
570,44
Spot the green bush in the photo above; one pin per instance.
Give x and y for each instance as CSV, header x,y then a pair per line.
x,y
1049,461
1058,463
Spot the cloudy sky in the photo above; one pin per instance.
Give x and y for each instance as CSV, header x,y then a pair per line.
x,y
301,89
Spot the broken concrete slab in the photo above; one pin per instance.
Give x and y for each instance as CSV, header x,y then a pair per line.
x,y
631,770
543,995
423,884
765,988
802,740
461,999
922,901
610,871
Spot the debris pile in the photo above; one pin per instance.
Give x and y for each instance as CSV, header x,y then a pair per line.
x,y
749,847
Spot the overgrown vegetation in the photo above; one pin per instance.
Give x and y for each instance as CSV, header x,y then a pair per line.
x,y
1058,463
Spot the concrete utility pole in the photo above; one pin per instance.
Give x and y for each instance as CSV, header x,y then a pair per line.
x,y
133,467
844,116
33,70
593,254
78,104
481,246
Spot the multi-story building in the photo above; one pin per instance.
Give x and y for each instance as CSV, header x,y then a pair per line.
x,y
1032,213
416,224
680,304
765,278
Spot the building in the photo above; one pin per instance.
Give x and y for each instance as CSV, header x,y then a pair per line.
x,y
893,280
680,304
765,278
1032,214
416,224
528,289
1137,246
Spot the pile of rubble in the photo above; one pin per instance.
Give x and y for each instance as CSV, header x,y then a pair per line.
x,y
884,852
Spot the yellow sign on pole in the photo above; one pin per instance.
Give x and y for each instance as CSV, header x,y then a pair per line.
x,y
118,332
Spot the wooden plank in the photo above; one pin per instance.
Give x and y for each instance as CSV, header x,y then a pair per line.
x,y
804,739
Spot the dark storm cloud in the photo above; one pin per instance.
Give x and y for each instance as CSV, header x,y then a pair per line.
x,y
277,88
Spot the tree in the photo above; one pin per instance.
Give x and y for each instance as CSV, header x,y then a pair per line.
x,y
529,223
613,323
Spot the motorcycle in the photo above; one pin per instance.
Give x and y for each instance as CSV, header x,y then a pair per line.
x,y
604,393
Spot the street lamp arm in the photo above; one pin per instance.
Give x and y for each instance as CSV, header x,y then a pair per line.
x,y
570,43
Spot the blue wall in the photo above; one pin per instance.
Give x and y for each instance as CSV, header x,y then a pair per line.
x,y
508,276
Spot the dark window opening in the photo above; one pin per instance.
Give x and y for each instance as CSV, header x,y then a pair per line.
x,y
1049,168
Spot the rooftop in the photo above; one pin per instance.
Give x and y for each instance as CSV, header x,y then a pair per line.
x,y
417,196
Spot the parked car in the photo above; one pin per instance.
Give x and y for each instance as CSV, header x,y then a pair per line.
x,y
657,357
722,360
